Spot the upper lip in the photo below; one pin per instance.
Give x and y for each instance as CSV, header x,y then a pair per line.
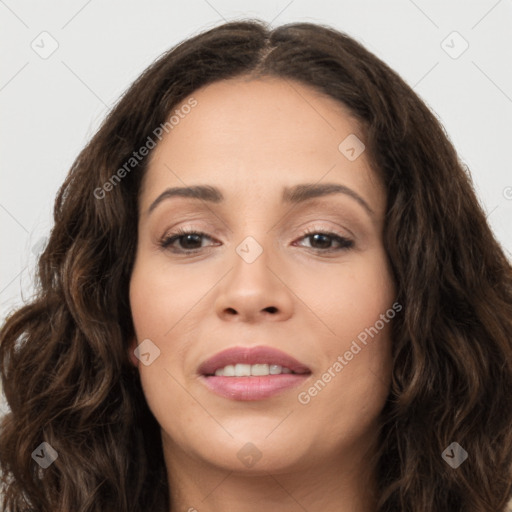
x,y
251,355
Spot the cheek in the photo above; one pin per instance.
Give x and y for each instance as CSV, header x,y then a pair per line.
x,y
353,382
155,310
160,297
350,298
349,391
146,301
366,322
164,306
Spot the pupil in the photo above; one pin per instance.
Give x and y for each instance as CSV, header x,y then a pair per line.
x,y
326,240
187,237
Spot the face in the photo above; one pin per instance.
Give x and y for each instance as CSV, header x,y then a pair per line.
x,y
279,261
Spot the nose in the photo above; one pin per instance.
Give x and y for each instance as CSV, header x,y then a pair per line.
x,y
254,291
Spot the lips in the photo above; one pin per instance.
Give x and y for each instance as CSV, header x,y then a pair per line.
x,y
251,387
251,355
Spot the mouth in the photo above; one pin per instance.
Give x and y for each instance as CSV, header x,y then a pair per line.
x,y
252,373
253,370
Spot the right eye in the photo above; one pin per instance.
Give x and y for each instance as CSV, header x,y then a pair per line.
x,y
185,238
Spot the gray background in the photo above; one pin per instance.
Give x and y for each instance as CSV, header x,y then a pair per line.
x,y
51,104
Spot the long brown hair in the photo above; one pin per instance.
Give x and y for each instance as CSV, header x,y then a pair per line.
x,y
64,356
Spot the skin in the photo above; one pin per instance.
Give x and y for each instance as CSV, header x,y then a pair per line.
x,y
251,138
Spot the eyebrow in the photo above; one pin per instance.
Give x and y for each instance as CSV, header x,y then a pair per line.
x,y
291,195
306,191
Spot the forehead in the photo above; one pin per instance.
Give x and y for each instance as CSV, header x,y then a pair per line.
x,y
257,136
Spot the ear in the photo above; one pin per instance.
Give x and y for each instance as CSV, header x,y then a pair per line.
x,y
131,355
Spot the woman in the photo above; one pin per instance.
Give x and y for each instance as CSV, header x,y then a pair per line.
x,y
269,285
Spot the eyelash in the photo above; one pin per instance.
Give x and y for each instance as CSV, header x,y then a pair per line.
x,y
167,241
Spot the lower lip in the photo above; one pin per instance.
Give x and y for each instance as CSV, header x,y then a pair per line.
x,y
253,388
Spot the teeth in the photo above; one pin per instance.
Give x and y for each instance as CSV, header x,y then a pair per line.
x,y
248,370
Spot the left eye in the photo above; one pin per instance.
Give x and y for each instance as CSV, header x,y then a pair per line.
x,y
325,241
